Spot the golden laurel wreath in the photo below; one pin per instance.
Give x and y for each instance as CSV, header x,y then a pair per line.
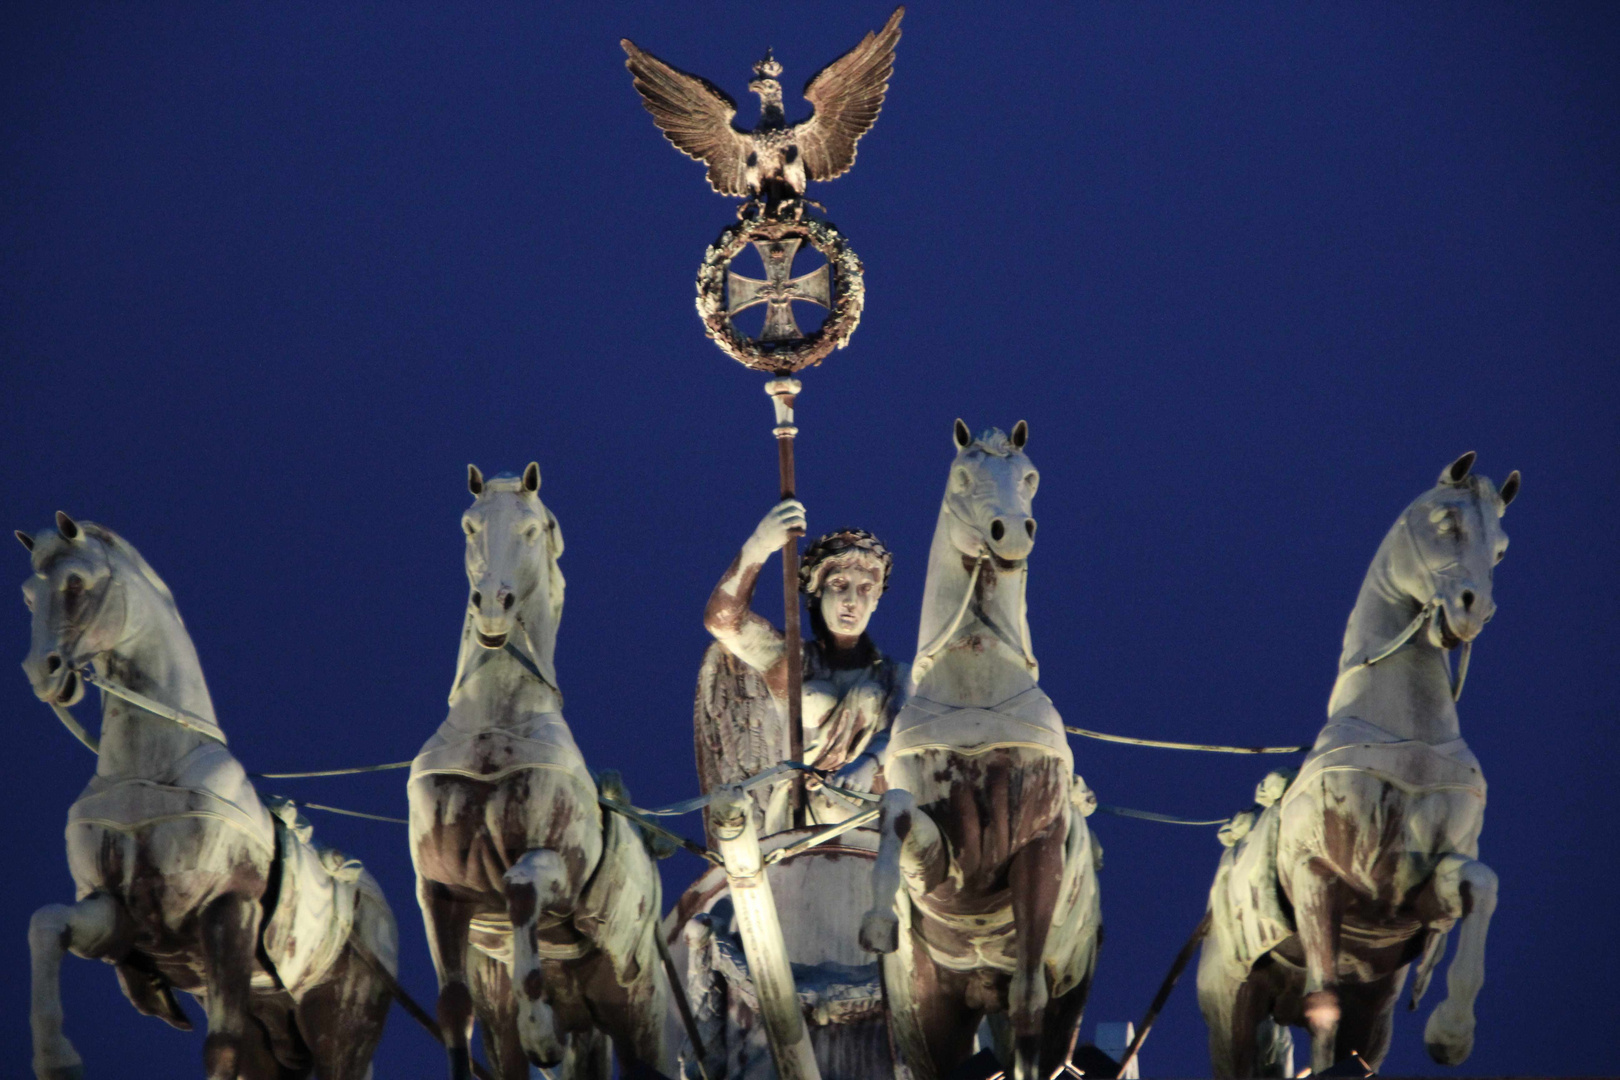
x,y
782,357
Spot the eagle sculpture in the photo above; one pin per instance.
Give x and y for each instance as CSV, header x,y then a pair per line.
x,y
776,159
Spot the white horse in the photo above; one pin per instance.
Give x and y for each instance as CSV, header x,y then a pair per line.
x,y
984,817
174,856
1372,854
541,907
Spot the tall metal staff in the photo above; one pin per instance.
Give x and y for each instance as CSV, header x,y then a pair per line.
x,y
769,167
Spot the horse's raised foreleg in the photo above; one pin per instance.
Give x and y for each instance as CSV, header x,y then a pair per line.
x,y
1318,908
537,882
1467,889
447,921
910,844
94,927
1035,875
230,937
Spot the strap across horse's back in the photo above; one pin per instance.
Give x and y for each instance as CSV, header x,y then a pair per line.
x,y
1026,721
1350,744
208,783
542,741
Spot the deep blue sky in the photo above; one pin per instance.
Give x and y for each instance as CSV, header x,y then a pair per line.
x,y
270,276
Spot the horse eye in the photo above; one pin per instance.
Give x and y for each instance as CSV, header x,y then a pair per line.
x,y
74,585
531,533
470,527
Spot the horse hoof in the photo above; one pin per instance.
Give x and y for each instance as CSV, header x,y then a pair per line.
x,y
537,1032
880,932
1027,1058
1448,1039
542,1063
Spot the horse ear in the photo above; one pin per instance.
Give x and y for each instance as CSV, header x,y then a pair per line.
x,y
1020,435
1508,490
963,435
1455,472
28,541
531,477
475,480
67,526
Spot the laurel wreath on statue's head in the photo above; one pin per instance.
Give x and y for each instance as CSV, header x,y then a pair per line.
x,y
782,357
840,547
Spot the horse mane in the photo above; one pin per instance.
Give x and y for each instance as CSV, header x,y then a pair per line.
x,y
992,441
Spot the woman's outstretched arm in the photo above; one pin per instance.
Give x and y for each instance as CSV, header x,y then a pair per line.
x,y
729,617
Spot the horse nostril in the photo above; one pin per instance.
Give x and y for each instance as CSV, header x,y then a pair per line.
x,y
1029,527
53,664
507,601
1468,599
477,598
997,529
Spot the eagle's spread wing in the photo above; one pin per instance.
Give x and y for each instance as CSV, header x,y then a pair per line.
x,y
847,95
694,114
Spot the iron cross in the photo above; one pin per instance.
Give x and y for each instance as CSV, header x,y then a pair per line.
x,y
778,290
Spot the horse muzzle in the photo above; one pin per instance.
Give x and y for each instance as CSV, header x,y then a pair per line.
x,y
1011,537
492,618
1460,618
54,681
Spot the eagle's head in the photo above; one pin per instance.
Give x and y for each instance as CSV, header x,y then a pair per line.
x,y
765,85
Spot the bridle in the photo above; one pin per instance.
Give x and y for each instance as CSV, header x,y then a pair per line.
x,y
1429,612
525,660
927,655
84,668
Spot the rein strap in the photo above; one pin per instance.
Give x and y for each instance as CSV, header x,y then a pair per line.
x,y
189,721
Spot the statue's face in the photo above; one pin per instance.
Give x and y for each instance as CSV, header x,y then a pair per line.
x,y
849,595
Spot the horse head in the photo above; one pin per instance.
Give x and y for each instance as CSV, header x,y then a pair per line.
x,y
1454,541
989,496
513,543
79,603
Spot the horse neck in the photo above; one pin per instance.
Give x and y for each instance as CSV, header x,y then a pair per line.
x,y
994,669
154,658
501,691
1408,693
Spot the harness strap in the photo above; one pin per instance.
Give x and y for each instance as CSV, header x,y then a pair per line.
x,y
512,650
925,655
1164,744
63,714
189,721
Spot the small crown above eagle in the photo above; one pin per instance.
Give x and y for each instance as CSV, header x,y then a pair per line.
x,y
768,68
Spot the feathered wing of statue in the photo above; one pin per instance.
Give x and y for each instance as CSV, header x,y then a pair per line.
x,y
738,730
776,159
851,691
